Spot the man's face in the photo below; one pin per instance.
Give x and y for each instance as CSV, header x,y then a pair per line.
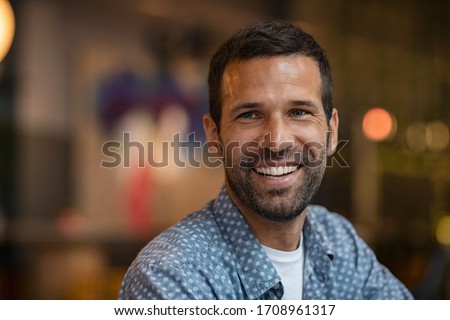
x,y
274,133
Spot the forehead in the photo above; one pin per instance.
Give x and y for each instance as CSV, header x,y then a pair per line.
x,y
292,72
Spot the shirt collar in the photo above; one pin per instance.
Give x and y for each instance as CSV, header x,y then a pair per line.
x,y
256,271
318,249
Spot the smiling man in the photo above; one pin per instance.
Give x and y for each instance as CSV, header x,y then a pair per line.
x,y
270,95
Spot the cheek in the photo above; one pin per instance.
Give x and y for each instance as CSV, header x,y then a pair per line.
x,y
238,136
311,135
313,147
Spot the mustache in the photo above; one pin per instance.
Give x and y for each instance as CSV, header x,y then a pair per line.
x,y
254,156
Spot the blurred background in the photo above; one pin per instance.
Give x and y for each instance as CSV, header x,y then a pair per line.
x,y
75,75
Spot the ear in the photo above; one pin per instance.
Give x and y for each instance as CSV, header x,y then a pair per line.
x,y
333,128
211,132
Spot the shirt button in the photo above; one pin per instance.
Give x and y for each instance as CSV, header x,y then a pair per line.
x,y
276,286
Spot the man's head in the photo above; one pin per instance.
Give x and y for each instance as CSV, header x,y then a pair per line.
x,y
266,39
275,130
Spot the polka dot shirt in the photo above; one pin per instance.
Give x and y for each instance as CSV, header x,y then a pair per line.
x,y
212,254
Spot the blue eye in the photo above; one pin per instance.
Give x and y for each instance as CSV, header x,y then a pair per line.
x,y
297,113
248,115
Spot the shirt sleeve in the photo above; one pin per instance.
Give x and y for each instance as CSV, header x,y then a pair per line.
x,y
375,280
380,283
163,281
356,271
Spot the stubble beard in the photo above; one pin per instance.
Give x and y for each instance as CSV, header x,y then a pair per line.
x,y
276,204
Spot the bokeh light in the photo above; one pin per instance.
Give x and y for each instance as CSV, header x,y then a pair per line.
x,y
443,230
7,26
437,135
378,124
415,136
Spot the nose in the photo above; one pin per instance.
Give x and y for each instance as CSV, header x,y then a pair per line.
x,y
277,135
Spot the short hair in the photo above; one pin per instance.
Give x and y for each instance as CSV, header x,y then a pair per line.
x,y
266,39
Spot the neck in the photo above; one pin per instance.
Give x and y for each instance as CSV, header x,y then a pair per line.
x,y
284,236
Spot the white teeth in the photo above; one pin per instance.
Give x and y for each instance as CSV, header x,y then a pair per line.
x,y
276,171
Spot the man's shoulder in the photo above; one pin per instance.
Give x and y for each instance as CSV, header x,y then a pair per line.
x,y
180,262
321,215
196,232
331,226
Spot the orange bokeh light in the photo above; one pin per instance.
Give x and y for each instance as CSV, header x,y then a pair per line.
x,y
378,124
7,26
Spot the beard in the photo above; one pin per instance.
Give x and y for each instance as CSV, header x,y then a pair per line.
x,y
280,204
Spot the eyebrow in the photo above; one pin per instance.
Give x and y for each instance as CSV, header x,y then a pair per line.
x,y
304,103
255,105
245,106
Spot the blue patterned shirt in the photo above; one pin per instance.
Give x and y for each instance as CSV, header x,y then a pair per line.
x,y
212,254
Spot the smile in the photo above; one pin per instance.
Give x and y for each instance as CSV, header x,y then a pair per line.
x,y
276,172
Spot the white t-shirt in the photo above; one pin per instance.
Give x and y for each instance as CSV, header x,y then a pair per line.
x,y
289,265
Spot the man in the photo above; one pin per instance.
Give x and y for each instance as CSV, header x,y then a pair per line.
x,y
270,95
